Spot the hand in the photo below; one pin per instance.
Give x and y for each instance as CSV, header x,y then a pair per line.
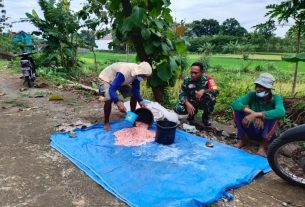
x,y
142,104
190,108
259,123
248,119
199,94
121,107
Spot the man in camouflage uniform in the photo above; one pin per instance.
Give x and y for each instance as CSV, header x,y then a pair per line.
x,y
197,92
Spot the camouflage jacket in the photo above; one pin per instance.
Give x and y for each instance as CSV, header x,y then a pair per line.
x,y
189,87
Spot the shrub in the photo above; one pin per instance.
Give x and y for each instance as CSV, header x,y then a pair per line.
x,y
246,56
218,68
245,67
259,68
271,67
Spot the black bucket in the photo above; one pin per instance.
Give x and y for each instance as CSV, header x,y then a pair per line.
x,y
144,116
166,131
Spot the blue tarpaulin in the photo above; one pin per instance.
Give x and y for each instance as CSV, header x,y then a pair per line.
x,y
186,173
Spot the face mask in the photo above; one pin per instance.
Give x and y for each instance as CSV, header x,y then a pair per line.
x,y
140,78
262,94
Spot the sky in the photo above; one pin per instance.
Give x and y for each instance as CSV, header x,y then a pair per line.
x,y
248,12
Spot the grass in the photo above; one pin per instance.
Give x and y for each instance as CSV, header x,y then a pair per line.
x,y
236,63
103,60
227,61
3,63
17,103
251,56
107,56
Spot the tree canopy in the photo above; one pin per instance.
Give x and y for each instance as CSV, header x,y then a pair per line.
x,y
59,27
149,27
266,29
205,27
232,27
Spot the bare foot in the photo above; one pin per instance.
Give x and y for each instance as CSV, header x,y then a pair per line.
x,y
241,143
261,151
107,127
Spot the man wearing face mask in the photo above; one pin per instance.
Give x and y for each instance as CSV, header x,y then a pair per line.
x,y
125,78
257,113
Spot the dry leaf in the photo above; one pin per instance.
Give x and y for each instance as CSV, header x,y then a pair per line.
x,y
41,85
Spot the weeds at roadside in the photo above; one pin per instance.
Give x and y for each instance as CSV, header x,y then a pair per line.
x,y
16,103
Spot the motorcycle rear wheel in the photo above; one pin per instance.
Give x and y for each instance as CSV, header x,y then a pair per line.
x,y
287,159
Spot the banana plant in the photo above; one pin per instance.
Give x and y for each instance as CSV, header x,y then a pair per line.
x,y
59,27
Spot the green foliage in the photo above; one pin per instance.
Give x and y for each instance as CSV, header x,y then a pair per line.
x,y
290,9
245,67
148,25
206,48
6,42
57,75
245,56
218,68
59,27
218,41
205,27
88,39
271,67
259,68
266,29
287,9
205,61
232,27
5,37
95,24
231,47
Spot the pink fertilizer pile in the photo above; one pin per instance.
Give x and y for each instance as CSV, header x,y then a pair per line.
x,y
134,136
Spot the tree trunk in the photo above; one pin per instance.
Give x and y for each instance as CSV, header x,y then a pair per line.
x,y
95,64
127,53
297,63
135,34
158,93
139,46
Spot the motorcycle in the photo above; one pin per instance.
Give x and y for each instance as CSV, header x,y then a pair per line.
x,y
28,69
286,155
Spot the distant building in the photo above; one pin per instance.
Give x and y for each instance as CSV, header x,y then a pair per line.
x,y
103,43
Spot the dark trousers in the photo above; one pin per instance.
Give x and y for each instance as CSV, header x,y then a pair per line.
x,y
269,130
206,103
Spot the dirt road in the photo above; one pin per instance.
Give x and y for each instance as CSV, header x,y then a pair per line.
x,y
34,174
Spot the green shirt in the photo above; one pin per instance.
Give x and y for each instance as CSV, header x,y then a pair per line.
x,y
273,109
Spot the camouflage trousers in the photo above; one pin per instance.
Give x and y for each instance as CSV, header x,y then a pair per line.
x,y
206,103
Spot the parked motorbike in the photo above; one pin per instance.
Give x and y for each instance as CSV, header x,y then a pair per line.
x,y
28,69
286,156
